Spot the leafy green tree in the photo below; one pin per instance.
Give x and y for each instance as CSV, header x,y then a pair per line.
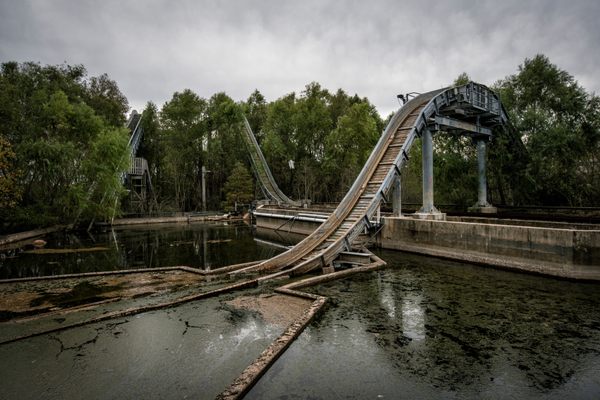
x,y
106,158
313,122
338,105
559,123
349,145
225,143
255,109
10,192
183,121
455,170
152,146
239,187
105,97
462,79
279,144
55,134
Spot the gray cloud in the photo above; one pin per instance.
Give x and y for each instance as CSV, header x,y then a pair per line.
x,y
376,49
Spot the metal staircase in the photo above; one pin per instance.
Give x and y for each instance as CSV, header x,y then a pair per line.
x,y
137,178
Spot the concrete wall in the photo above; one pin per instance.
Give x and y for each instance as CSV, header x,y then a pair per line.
x,y
521,222
559,249
567,253
286,224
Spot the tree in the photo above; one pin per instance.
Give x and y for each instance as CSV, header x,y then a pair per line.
x,y
152,145
225,143
104,96
239,187
462,79
255,109
107,157
279,144
559,123
55,136
183,121
348,147
10,193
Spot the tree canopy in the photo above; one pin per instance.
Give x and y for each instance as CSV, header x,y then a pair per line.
x,y
67,135
63,145
559,123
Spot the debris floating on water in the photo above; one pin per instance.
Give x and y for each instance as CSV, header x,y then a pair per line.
x,y
66,251
38,243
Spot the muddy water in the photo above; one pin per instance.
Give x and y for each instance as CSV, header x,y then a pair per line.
x,y
427,328
199,245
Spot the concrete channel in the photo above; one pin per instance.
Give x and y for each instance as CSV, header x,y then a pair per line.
x,y
566,250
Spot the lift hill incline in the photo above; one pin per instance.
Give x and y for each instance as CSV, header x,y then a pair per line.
x,y
470,108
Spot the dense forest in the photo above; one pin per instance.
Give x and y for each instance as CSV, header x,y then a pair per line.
x,y
63,146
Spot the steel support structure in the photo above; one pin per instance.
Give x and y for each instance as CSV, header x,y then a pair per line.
x,y
482,204
466,106
482,192
397,197
428,210
427,154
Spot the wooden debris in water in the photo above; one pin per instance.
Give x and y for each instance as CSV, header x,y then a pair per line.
x,y
66,251
218,241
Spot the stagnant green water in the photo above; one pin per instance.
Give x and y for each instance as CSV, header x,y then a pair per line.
x,y
426,328
422,328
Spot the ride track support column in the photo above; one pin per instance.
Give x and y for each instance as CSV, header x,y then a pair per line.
x,y
397,197
427,152
482,204
428,211
482,192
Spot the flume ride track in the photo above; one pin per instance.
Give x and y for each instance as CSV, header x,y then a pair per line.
x,y
262,171
135,127
471,102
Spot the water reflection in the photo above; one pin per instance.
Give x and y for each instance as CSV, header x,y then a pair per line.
x,y
439,329
206,246
413,317
387,299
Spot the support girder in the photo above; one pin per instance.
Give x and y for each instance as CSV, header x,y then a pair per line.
x,y
462,126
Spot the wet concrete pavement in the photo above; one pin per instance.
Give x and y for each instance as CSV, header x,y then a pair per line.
x,y
428,328
191,351
33,307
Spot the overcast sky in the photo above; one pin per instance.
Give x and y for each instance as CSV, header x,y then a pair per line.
x,y
377,49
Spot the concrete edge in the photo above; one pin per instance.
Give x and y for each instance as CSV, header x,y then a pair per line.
x,y
167,220
215,271
243,383
500,262
17,237
250,376
539,228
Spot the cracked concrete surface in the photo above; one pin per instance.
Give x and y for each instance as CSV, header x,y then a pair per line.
x,y
193,350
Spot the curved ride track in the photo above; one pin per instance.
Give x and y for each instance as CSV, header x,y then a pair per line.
x,y
375,181
135,127
263,173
